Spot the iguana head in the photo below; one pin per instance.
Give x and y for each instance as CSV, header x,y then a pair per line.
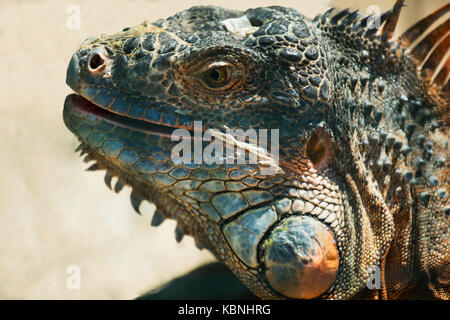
x,y
303,229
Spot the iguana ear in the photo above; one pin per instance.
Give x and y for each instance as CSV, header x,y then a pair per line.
x,y
319,148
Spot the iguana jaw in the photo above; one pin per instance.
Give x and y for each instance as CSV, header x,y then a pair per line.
x,y
322,252
77,103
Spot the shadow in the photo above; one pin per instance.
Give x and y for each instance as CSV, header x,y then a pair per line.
x,y
208,282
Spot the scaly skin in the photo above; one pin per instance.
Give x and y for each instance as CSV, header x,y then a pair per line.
x,y
362,176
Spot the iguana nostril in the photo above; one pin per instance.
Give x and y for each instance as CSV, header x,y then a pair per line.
x,y
318,148
97,62
301,258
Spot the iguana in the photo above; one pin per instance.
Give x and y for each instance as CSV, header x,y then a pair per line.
x,y
359,182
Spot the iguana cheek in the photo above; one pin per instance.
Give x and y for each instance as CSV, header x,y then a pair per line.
x,y
301,258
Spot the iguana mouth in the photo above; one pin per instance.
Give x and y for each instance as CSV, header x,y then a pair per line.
x,y
76,102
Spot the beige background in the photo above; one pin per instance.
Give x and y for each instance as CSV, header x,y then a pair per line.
x,y
53,214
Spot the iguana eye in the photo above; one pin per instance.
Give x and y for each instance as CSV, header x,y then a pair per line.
x,y
216,76
219,75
